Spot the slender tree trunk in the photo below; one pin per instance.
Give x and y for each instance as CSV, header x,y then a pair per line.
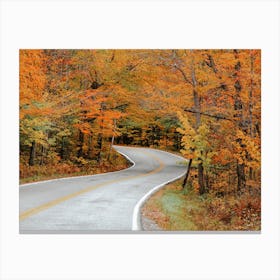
x,y
251,105
99,147
32,154
251,96
81,143
207,184
201,179
112,140
241,180
100,135
100,143
197,109
42,155
62,148
197,124
111,146
238,107
187,174
176,142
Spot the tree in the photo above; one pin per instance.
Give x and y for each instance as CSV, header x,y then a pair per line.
x,y
74,104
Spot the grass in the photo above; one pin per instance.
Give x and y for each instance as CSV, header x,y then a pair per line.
x,y
175,209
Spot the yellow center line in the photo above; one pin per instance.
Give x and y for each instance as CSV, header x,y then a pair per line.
x,y
50,204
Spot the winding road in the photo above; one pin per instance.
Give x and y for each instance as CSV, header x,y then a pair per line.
x,y
98,203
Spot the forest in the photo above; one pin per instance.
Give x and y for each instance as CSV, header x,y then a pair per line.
x,y
203,104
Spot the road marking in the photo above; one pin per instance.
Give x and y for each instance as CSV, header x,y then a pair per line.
x,y
50,204
83,176
136,223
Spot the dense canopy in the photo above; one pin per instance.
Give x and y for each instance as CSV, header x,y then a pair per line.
x,y
206,104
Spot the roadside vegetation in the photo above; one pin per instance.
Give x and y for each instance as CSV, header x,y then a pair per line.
x,y
204,104
174,208
66,169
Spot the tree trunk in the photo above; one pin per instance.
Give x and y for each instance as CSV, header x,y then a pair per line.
x,y
187,174
251,177
42,155
32,153
62,148
112,140
99,147
90,148
201,179
100,135
197,124
238,107
197,109
207,183
251,105
251,96
241,180
111,146
81,143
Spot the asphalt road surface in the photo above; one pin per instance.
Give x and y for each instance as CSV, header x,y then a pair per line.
x,y
106,202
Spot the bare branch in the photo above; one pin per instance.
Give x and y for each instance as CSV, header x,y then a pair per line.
x,y
218,117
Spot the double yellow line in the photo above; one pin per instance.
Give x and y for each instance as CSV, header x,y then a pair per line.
x,y
35,210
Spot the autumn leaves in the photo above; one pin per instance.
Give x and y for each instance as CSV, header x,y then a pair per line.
x,y
74,104
223,134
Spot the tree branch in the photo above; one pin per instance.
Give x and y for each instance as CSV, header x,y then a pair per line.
x,y
183,74
218,117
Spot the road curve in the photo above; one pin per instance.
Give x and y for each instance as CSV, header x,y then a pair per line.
x,y
97,203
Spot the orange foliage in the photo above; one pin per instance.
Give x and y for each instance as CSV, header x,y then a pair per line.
x,y
206,103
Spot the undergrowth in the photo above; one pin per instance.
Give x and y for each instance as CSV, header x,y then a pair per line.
x,y
67,169
175,209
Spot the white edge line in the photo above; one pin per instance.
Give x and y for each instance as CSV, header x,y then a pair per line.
x,y
136,220
136,224
85,176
